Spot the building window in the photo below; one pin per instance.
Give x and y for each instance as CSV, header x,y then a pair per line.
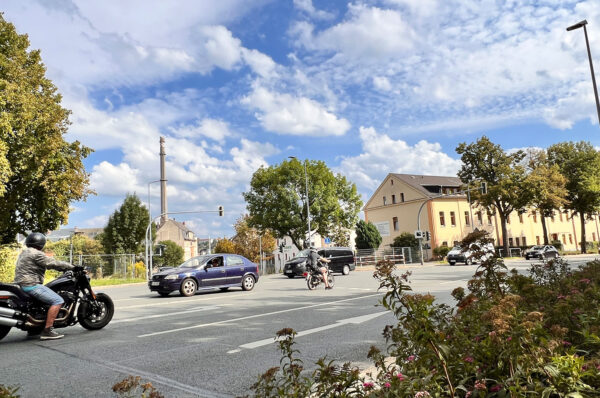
x,y
455,243
552,216
537,240
467,220
395,222
570,238
452,219
384,200
442,219
479,218
521,217
560,215
535,218
593,236
445,243
393,199
401,196
517,240
510,241
392,182
489,219
564,238
554,237
524,241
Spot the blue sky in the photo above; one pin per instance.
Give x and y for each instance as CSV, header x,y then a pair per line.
x,y
370,87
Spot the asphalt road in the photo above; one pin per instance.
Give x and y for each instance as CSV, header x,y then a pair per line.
x,y
215,344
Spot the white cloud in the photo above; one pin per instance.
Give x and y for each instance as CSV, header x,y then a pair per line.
x,y
287,114
308,7
382,83
97,221
117,180
214,129
382,155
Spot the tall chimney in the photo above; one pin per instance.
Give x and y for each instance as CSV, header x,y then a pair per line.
x,y
163,182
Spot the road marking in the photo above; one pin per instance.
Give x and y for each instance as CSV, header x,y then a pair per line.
x,y
255,316
212,307
183,301
356,320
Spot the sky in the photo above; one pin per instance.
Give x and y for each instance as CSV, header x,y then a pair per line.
x,y
370,87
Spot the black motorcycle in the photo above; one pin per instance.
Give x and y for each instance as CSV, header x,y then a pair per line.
x,y
314,277
19,309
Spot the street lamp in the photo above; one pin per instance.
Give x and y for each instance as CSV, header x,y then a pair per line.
x,y
150,214
587,43
307,201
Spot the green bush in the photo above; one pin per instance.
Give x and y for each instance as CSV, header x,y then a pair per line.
x,y
509,335
441,251
557,244
8,260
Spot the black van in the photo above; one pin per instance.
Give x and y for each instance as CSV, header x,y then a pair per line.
x,y
342,260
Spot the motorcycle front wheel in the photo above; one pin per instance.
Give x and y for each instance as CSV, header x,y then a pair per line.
x,y
312,282
330,280
96,318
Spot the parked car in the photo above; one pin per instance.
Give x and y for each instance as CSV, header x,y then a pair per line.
x,y
342,261
206,272
543,252
457,255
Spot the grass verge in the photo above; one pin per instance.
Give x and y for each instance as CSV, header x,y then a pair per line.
x,y
115,281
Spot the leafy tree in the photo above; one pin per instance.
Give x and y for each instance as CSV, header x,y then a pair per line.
x,y
340,236
367,236
82,245
126,228
225,246
172,255
504,174
40,172
277,200
545,187
247,240
406,239
579,162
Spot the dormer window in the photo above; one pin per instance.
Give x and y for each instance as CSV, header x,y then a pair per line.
x,y
384,200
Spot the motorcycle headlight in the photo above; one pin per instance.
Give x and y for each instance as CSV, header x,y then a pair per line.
x,y
173,276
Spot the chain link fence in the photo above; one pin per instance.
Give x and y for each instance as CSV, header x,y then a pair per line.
x,y
108,265
398,255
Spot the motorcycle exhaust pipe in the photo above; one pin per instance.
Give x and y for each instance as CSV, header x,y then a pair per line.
x,y
9,322
8,312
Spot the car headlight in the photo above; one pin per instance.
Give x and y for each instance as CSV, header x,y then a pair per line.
x,y
174,276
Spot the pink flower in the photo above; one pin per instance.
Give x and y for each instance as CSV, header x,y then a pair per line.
x,y
566,343
496,388
477,339
509,338
468,394
560,297
368,385
422,394
469,359
585,280
400,376
480,385
387,385
411,358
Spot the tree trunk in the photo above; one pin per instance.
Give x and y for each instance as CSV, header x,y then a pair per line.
x,y
582,217
504,235
544,229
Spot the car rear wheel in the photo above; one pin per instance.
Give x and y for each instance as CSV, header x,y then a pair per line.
x,y
291,276
188,287
452,262
345,270
469,261
248,283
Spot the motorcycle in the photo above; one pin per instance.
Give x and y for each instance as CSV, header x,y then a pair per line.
x,y
20,310
314,278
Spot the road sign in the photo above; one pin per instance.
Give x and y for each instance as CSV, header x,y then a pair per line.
x,y
419,234
327,240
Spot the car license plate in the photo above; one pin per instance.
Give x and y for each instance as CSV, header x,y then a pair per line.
x,y
289,271
155,283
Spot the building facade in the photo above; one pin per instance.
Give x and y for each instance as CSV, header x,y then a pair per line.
x,y
394,207
180,234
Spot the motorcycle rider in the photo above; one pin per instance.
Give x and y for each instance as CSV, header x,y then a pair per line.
x,y
29,274
314,259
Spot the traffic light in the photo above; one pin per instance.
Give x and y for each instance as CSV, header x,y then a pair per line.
x,y
427,235
483,188
221,211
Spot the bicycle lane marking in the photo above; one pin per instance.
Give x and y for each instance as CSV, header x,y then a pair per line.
x,y
255,316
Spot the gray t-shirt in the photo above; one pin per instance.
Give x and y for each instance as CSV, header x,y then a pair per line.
x,y
32,264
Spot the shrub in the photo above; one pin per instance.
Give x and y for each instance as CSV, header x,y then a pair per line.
x,y
441,251
8,260
557,244
140,269
132,386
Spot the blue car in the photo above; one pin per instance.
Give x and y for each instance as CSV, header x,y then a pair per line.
x,y
210,271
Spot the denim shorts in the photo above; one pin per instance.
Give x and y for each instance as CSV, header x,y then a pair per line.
x,y
45,295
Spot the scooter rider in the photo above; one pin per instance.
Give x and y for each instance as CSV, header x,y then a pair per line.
x,y
314,259
29,274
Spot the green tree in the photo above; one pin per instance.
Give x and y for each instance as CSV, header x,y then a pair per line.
x,y
504,174
545,187
367,235
126,228
406,239
277,200
247,240
172,254
40,172
579,162
225,245
340,236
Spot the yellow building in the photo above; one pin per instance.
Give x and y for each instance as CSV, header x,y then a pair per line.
x,y
394,206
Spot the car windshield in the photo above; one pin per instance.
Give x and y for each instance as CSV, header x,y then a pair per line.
x,y
537,247
194,262
303,253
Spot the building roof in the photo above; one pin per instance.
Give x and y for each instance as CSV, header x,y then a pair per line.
x,y
179,225
429,185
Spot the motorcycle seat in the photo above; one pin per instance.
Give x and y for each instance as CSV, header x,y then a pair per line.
x,y
14,289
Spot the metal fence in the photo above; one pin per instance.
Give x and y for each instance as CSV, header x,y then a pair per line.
x,y
107,265
398,255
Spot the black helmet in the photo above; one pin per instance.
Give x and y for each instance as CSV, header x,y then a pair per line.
x,y
36,240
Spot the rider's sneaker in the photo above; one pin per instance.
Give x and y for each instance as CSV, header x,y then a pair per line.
x,y
50,334
328,287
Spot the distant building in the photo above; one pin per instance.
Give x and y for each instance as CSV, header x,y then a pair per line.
x,y
66,233
179,233
394,206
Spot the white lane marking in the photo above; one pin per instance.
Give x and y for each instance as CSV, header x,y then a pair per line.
x,y
356,320
182,301
212,307
256,316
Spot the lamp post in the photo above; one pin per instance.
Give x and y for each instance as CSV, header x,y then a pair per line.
x,y
149,215
307,201
587,43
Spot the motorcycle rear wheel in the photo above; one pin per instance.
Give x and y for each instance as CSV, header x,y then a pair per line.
x,y
4,331
95,320
330,280
311,283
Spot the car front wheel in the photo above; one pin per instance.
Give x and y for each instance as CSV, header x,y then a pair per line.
x,y
345,270
248,283
188,287
452,262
